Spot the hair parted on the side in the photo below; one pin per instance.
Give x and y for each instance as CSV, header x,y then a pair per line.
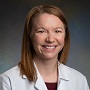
x,y
26,64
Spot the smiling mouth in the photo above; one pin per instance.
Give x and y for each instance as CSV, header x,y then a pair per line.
x,y
49,47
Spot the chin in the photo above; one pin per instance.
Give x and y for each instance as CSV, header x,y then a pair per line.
x,y
49,57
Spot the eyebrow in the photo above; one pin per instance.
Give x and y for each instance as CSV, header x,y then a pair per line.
x,y
59,28
46,29
40,28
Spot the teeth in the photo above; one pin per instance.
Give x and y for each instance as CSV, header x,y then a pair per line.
x,y
49,47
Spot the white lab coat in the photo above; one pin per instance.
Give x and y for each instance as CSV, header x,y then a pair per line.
x,y
68,79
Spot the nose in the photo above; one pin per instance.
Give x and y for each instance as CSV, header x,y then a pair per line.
x,y
50,38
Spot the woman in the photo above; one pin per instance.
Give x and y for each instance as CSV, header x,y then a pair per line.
x,y
45,49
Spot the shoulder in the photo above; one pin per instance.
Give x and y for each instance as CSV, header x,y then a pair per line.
x,y
76,79
12,80
13,71
11,74
71,73
9,77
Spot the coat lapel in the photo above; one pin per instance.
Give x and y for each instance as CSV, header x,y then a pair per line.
x,y
63,78
40,84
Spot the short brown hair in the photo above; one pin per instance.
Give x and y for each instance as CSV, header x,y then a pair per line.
x,y
26,64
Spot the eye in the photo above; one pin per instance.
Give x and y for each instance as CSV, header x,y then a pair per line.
x,y
58,31
41,31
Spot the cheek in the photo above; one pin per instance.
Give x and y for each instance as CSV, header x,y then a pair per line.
x,y
39,38
61,39
36,41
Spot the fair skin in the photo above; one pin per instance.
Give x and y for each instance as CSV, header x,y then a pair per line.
x,y
48,40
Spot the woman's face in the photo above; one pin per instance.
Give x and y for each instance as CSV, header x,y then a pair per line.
x,y
48,35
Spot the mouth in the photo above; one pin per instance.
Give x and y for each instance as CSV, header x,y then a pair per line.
x,y
49,47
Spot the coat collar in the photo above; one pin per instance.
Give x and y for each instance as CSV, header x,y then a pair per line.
x,y
63,75
62,71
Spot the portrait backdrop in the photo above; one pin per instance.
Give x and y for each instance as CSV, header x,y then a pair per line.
x,y
12,18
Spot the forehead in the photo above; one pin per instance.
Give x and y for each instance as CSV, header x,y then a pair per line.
x,y
47,19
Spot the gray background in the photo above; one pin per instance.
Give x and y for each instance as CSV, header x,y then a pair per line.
x,y
12,18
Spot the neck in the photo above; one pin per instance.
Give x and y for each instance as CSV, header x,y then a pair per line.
x,y
47,69
46,65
